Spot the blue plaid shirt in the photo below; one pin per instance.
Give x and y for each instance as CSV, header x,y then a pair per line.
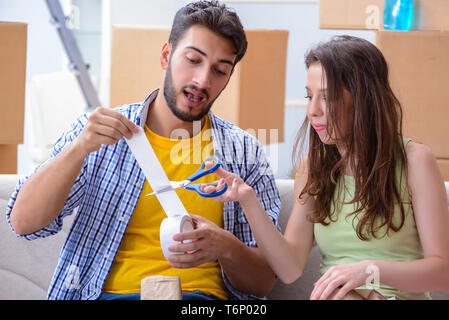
x,y
106,192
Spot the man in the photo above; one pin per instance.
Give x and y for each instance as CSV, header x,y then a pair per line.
x,y
114,240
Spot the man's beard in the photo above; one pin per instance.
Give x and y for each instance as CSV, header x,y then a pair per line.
x,y
170,98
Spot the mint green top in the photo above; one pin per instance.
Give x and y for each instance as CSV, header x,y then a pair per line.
x,y
339,244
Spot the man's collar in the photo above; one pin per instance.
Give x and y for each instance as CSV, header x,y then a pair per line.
x,y
146,105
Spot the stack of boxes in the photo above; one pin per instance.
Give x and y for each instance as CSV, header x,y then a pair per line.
x,y
255,95
13,43
418,62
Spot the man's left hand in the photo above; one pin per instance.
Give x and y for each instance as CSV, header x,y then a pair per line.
x,y
208,243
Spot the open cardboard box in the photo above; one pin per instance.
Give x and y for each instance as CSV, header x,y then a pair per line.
x,y
361,294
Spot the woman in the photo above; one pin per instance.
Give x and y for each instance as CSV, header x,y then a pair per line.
x,y
371,199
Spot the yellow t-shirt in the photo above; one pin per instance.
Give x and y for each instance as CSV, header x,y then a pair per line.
x,y
140,253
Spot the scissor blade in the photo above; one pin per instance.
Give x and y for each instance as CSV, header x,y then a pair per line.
x,y
162,190
173,186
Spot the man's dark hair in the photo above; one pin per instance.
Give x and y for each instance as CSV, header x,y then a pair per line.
x,y
216,17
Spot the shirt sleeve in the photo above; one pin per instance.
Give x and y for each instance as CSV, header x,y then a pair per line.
x,y
75,194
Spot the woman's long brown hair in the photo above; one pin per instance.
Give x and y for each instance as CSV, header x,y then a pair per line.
x,y
371,134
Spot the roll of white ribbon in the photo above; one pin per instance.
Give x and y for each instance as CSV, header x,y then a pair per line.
x,y
178,219
171,226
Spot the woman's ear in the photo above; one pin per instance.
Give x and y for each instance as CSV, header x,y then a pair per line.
x,y
165,55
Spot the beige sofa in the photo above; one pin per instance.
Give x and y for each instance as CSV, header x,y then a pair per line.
x,y
26,267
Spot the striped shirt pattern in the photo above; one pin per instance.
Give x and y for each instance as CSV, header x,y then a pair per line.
x,y
106,192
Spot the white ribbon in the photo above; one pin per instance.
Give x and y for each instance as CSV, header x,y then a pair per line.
x,y
178,220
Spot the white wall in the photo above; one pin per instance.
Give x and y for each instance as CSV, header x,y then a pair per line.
x,y
44,50
45,53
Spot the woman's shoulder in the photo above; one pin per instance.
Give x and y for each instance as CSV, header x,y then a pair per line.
x,y
422,166
301,174
418,154
302,168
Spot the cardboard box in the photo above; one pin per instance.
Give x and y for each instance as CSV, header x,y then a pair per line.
x,y
419,68
8,159
13,44
254,98
368,14
444,168
135,62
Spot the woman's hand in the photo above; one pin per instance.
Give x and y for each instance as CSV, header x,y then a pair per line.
x,y
238,190
342,279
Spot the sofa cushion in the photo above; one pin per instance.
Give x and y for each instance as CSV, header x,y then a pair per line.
x,y
26,267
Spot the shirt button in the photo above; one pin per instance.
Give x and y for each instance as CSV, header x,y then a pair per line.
x,y
138,184
122,218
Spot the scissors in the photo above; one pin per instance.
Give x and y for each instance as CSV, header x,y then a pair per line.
x,y
202,171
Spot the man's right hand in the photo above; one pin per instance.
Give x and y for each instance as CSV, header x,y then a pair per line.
x,y
104,126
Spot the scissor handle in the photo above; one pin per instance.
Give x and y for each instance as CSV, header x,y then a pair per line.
x,y
202,171
197,187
